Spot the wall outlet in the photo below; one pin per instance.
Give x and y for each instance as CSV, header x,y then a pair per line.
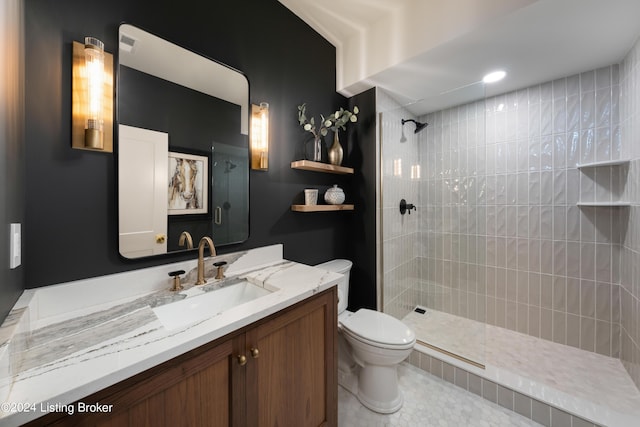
x,y
15,246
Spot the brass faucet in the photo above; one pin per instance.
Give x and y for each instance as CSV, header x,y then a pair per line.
x,y
205,241
185,235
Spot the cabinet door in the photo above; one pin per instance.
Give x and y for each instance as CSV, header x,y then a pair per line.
x,y
293,381
204,387
194,392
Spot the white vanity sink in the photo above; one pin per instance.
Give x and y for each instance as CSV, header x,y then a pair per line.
x,y
208,304
92,333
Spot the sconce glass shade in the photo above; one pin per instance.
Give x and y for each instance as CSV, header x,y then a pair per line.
x,y
92,96
94,63
260,136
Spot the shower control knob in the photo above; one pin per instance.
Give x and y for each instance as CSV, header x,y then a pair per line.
x,y
404,207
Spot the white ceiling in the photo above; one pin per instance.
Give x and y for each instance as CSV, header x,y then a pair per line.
x,y
419,49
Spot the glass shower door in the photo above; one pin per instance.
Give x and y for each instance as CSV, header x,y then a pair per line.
x,y
433,257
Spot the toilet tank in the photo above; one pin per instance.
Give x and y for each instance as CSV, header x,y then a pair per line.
x,y
342,266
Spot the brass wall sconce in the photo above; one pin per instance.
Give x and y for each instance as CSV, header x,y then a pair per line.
x,y
92,97
260,136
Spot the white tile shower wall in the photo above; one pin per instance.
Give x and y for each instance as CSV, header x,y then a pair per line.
x,y
400,232
630,259
502,240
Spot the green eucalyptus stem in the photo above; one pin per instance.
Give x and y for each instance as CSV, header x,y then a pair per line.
x,y
335,121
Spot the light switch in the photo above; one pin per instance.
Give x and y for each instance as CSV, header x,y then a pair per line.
x,y
15,246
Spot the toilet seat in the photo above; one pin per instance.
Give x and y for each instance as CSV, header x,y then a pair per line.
x,y
378,329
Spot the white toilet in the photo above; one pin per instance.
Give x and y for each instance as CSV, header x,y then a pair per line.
x,y
371,344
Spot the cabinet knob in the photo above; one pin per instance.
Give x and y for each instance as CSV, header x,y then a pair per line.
x,y
254,353
242,360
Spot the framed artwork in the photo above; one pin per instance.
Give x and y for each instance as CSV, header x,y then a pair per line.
x,y
188,184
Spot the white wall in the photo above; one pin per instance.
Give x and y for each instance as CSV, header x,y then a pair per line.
x,y
400,267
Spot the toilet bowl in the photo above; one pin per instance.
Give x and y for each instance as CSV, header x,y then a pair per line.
x,y
371,344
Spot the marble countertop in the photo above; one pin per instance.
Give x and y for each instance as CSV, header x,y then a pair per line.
x,y
65,342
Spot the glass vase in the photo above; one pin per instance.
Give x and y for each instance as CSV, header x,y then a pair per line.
x,y
317,149
314,149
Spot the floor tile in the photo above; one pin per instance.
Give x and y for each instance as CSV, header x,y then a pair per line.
x,y
428,401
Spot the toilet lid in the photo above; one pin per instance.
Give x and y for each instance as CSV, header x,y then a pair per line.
x,y
379,328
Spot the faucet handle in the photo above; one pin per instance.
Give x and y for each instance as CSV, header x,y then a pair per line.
x,y
220,266
176,280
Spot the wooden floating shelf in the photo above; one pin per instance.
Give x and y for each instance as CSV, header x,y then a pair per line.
x,y
321,208
308,165
617,162
605,204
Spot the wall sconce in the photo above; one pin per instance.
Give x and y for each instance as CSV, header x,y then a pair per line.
x,y
92,97
260,136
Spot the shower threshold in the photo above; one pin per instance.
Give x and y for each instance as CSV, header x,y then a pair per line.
x,y
579,382
450,354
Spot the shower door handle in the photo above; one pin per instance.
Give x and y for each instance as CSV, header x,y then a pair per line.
x,y
217,217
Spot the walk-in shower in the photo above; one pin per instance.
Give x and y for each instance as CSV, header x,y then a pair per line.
x,y
514,276
417,273
229,176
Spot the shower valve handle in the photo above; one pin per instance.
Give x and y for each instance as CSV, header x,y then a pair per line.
x,y
404,207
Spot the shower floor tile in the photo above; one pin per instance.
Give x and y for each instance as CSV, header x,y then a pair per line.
x,y
428,401
458,335
547,366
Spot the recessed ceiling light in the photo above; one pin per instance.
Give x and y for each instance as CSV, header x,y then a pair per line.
x,y
494,76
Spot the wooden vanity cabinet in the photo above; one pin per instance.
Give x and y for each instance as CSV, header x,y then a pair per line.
x,y
288,378
293,382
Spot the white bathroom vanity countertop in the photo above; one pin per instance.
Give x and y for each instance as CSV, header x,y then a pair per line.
x,y
64,342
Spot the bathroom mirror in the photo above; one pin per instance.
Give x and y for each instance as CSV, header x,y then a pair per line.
x,y
183,148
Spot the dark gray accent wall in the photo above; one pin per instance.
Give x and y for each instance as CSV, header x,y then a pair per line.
x,y
11,147
362,155
71,194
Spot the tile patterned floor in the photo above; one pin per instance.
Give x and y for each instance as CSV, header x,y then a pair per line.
x,y
428,401
555,365
461,336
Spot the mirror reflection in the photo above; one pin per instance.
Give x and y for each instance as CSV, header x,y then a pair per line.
x,y
183,168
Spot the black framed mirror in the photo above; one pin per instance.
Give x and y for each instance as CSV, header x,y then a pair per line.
x,y
183,147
